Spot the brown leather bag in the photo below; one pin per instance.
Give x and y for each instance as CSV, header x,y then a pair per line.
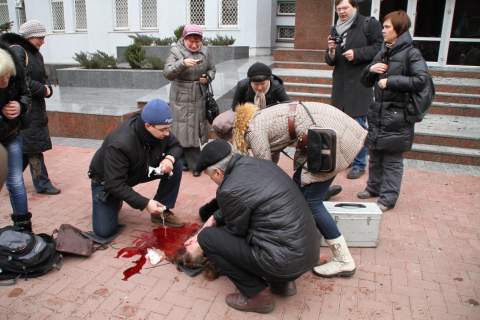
x,y
71,240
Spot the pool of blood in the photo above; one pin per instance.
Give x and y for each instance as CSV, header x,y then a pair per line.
x,y
168,240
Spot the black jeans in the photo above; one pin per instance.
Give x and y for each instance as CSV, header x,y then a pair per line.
x,y
233,256
40,179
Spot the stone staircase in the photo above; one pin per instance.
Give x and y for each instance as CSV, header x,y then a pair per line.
x,y
450,133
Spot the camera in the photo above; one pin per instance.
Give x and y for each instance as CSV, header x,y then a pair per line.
x,y
337,39
199,61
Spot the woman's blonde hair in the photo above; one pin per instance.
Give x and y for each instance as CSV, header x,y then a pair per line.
x,y
6,63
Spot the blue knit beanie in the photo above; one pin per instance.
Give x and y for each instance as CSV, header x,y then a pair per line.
x,y
157,112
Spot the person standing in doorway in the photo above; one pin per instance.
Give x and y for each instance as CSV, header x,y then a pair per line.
x,y
352,44
36,139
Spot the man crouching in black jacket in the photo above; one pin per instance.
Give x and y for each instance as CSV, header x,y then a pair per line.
x,y
139,150
265,237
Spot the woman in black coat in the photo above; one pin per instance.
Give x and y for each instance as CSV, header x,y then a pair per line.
x,y
15,101
389,134
36,139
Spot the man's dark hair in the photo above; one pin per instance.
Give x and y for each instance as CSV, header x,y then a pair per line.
x,y
400,21
258,78
352,2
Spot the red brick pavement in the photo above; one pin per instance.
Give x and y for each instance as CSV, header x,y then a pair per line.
x,y
427,265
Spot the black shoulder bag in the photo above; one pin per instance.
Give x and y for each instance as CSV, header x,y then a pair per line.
x,y
211,107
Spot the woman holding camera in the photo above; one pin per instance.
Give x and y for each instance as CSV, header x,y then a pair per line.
x,y
352,44
389,133
188,65
15,101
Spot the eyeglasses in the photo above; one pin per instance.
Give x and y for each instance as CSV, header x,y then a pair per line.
x,y
342,9
164,130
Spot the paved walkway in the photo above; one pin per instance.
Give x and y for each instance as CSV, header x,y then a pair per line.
x,y
427,265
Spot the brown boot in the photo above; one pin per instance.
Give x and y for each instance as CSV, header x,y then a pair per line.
x,y
171,220
262,302
286,289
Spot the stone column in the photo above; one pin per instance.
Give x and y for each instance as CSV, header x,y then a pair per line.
x,y
313,20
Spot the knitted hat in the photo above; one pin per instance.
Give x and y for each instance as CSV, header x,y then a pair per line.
x,y
32,29
259,69
192,29
223,124
212,153
157,112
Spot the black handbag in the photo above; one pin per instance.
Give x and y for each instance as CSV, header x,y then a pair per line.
x,y
211,107
417,104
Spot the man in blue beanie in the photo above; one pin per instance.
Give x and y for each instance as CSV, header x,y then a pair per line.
x,y
139,150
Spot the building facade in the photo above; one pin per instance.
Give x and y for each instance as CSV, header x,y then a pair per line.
x,y
446,31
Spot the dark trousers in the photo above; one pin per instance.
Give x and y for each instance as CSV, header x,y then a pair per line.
x,y
385,178
233,256
39,172
105,214
190,157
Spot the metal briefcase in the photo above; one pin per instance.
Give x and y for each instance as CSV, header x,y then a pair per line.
x,y
359,222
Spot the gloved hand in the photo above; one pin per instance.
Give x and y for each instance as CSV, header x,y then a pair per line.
x,y
208,209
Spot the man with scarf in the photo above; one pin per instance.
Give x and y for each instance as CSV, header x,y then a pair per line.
x,y
357,44
261,88
139,150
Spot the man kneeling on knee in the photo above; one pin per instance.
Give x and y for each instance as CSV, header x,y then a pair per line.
x,y
140,149
265,236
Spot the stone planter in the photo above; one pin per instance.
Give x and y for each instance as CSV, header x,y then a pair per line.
x,y
112,78
219,53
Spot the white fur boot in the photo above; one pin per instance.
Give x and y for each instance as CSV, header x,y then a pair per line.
x,y
342,264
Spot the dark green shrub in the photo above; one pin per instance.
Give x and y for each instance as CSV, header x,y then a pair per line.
x,y
97,60
164,41
142,39
5,27
219,40
154,63
135,56
178,32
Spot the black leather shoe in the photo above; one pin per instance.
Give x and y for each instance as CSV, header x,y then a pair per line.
x,y
50,191
332,191
186,168
196,174
355,173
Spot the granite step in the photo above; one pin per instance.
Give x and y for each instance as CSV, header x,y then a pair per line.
x,y
462,98
435,153
302,65
457,109
308,88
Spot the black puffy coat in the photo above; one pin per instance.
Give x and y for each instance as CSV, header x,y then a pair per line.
x,y
16,90
387,128
125,155
348,94
260,202
245,93
36,139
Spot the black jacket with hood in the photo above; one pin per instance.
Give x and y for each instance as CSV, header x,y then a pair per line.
x,y
125,155
244,92
35,139
258,201
16,90
387,128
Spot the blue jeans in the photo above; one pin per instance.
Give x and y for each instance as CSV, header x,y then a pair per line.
x,y
14,183
314,193
360,161
105,214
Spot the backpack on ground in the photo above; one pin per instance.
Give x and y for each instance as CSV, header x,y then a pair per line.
x,y
23,253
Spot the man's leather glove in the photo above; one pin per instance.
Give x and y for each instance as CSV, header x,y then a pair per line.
x,y
208,209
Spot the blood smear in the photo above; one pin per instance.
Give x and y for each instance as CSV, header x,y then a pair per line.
x,y
169,240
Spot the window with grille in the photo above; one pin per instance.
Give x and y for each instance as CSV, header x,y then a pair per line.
x,y
286,8
121,14
22,16
286,33
196,12
80,15
4,17
58,16
229,13
149,14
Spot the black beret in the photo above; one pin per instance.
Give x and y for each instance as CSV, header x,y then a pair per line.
x,y
259,69
212,153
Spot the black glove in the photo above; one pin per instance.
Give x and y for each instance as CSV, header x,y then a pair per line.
x,y
208,209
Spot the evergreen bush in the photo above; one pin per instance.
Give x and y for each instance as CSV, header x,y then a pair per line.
x,y
142,39
219,40
164,41
155,63
135,56
97,60
178,32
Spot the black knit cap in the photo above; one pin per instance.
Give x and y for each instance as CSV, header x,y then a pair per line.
x,y
259,69
212,153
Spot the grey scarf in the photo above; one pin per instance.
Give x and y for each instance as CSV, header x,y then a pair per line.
x,y
344,25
